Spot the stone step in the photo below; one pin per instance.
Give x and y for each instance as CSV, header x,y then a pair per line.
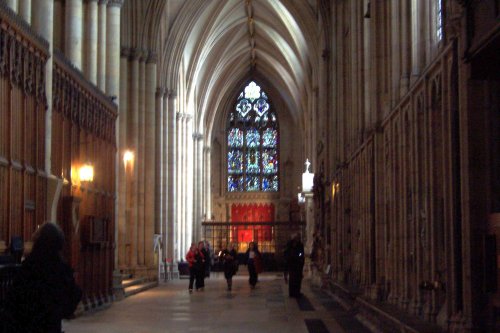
x,y
132,281
137,288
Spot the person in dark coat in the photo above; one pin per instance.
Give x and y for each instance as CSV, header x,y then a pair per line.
x,y
44,291
230,262
294,265
196,263
254,261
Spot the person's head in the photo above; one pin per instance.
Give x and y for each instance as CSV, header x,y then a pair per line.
x,y
252,246
201,245
48,241
296,238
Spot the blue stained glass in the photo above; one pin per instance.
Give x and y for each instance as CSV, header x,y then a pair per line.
x,y
253,183
252,143
235,138
234,183
270,138
243,107
252,138
269,161
234,161
253,165
261,106
270,184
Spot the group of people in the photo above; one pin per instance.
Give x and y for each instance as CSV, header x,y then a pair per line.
x,y
199,260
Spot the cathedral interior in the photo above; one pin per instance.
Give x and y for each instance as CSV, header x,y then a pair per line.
x,y
372,127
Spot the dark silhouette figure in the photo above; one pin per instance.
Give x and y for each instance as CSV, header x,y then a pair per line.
x,y
294,265
230,262
254,263
44,291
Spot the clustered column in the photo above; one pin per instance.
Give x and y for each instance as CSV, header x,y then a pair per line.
x,y
171,144
140,133
73,31
25,10
43,23
113,47
90,65
150,176
207,164
198,182
101,45
178,152
125,170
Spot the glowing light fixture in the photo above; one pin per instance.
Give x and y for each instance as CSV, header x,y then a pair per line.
x,y
128,156
86,173
307,178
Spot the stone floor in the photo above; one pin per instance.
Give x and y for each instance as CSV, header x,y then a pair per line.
x,y
267,308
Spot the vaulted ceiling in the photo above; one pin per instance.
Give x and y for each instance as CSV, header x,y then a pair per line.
x,y
215,46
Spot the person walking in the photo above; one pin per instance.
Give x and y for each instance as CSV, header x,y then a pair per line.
x,y
44,291
196,267
294,265
254,263
208,257
229,259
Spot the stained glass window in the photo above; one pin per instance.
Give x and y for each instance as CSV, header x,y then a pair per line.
x,y
439,20
252,143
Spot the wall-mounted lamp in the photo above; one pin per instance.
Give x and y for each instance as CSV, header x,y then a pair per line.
x,y
335,189
86,173
128,157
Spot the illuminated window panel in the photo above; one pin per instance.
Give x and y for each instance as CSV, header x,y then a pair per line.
x,y
252,143
235,162
269,161
253,138
235,138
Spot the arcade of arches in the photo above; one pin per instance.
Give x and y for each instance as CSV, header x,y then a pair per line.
x,y
194,112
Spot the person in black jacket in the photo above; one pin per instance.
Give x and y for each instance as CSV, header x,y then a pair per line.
x,y
230,262
44,291
254,263
294,264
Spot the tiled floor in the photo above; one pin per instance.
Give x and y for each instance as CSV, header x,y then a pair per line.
x,y
170,308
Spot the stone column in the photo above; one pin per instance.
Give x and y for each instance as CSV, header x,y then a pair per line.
x,y
207,178
113,47
198,185
125,169
90,65
416,46
181,231
150,178
25,10
12,4
171,114
141,160
159,174
58,25
43,23
189,195
405,47
133,145
101,45
73,13
165,226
